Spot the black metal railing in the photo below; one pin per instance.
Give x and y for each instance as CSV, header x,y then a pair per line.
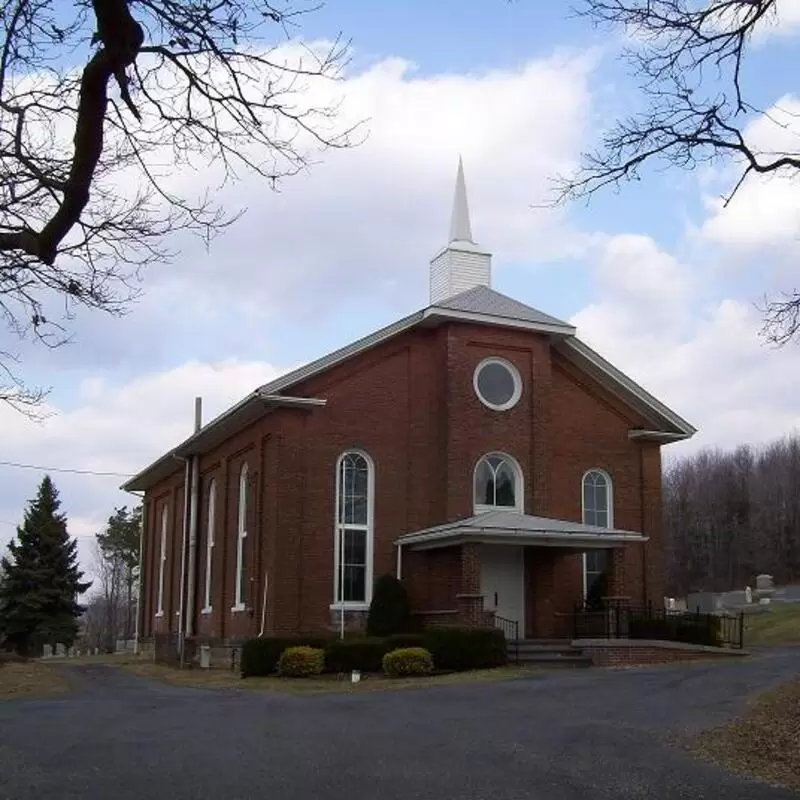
x,y
624,621
510,628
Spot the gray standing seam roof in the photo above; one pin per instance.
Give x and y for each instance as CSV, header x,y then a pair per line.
x,y
483,300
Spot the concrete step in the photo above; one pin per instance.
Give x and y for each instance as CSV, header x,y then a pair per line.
x,y
575,659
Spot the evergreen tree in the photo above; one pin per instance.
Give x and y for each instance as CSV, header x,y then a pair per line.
x,y
42,580
389,611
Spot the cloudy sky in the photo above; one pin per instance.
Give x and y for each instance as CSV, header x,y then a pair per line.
x,y
659,278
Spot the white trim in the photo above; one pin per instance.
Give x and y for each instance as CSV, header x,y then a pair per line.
x,y
573,541
439,312
241,537
350,606
206,611
515,376
237,608
369,529
519,489
162,560
211,512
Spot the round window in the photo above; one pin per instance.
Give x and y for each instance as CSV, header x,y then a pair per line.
x,y
497,384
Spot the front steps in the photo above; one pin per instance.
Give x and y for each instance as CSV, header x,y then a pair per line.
x,y
548,653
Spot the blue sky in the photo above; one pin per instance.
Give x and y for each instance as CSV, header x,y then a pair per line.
x,y
656,277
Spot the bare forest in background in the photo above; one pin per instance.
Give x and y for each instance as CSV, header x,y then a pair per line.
x,y
730,516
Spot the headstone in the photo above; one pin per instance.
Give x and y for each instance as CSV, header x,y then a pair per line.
x,y
47,651
748,595
764,582
97,651
61,650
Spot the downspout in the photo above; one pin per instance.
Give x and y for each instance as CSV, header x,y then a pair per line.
x,y
399,562
136,622
185,526
193,509
642,498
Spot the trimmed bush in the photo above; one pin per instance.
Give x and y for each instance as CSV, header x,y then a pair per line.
x,y
362,654
260,656
408,661
301,662
404,640
458,649
389,611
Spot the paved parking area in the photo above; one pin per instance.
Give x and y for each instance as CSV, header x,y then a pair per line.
x,y
576,734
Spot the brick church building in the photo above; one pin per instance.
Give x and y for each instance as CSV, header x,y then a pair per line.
x,y
477,449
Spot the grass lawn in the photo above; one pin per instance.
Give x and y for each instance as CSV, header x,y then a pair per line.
x,y
225,679
780,626
765,742
32,679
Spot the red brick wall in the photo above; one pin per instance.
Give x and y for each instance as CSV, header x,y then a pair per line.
x,y
410,404
623,655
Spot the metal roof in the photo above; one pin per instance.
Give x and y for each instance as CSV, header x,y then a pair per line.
x,y
483,300
511,527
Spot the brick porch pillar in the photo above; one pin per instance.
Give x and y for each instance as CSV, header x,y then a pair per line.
x,y
470,599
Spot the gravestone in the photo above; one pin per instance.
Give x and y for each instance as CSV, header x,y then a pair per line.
x,y
748,595
765,588
61,650
47,651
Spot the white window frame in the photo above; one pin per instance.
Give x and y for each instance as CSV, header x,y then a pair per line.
x,y
610,523
339,528
241,537
519,488
162,561
211,513
515,397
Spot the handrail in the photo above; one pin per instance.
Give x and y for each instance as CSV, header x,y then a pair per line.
x,y
510,628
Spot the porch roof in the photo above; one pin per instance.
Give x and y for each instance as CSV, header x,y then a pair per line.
x,y
511,527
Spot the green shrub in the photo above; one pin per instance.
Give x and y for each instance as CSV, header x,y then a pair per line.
x,y
466,648
260,656
389,611
404,640
365,654
301,662
408,661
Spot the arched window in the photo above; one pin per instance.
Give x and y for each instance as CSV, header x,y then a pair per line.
x,y
210,518
162,561
241,542
498,483
355,487
598,510
597,499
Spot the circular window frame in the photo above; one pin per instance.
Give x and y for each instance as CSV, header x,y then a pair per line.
x,y
515,376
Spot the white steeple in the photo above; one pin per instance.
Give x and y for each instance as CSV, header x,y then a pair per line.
x,y
462,264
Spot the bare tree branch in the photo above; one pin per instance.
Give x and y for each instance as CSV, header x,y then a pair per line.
x,y
688,58
91,157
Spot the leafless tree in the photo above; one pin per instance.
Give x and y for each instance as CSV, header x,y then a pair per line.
x,y
732,515
689,59
105,105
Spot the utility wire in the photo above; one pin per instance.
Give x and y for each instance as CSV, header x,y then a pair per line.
x,y
65,469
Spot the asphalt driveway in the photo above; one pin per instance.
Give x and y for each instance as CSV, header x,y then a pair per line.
x,y
582,734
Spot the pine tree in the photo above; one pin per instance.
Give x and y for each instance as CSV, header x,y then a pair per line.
x,y
42,580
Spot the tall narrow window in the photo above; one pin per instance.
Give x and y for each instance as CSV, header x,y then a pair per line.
x,y
497,483
241,542
598,510
354,529
210,517
162,562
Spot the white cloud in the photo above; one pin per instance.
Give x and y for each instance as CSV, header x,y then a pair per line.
x,y
705,360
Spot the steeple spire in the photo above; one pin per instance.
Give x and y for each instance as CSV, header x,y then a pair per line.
x,y
462,264
460,229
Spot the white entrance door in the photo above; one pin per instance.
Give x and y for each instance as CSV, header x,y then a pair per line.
x,y
503,582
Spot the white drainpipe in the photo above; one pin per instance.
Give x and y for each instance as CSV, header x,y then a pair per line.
x,y
399,562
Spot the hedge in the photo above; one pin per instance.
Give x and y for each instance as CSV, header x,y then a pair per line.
x,y
457,649
301,662
688,629
364,654
408,661
260,656
399,640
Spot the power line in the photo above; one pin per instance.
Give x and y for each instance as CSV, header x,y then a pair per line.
x,y
65,469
